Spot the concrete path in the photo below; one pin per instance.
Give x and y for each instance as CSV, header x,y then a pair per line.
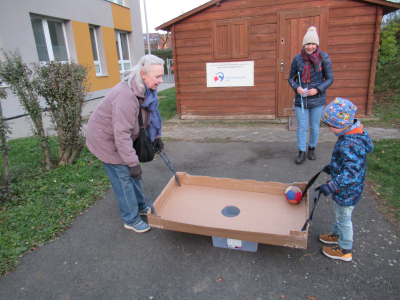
x,y
254,132
98,259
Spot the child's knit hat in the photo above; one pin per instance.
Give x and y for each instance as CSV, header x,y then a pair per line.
x,y
311,36
339,113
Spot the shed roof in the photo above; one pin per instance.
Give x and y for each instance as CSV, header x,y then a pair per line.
x,y
388,7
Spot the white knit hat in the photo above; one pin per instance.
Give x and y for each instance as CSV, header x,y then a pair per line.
x,y
311,36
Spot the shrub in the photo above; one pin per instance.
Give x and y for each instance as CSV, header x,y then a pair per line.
x,y
64,86
389,48
162,53
17,74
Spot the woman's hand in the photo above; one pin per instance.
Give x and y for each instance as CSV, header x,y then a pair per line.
x,y
312,92
300,90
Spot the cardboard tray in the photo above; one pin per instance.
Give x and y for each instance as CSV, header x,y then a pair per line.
x,y
265,214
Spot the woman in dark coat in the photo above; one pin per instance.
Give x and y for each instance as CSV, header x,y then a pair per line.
x,y
314,69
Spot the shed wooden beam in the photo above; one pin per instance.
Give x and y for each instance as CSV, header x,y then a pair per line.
x,y
167,26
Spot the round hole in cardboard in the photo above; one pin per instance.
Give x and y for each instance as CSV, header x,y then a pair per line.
x,y
230,211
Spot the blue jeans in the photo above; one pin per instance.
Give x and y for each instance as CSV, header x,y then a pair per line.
x,y
129,199
314,114
343,226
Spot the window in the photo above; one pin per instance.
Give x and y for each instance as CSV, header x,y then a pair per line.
x,y
123,51
231,39
95,50
50,39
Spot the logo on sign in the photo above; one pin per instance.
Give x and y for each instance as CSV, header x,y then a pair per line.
x,y
219,77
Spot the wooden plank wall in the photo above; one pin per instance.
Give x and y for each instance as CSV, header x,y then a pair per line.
x,y
350,45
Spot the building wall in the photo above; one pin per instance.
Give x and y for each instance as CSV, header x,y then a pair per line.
x,y
16,30
350,41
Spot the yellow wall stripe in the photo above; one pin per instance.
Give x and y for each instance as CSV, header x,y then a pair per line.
x,y
121,17
85,56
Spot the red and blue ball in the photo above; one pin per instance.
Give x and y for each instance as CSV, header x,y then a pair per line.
x,y
293,194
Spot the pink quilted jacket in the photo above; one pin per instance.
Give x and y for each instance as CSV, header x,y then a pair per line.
x,y
114,125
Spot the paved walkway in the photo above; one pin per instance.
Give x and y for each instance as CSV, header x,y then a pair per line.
x,y
97,258
255,133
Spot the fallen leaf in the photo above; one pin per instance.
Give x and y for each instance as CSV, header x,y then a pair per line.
x,y
218,280
282,296
373,155
311,298
88,164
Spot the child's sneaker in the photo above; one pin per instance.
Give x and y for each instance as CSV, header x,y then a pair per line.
x,y
336,252
139,227
143,211
330,238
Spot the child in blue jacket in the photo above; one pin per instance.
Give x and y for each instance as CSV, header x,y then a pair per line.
x,y
347,168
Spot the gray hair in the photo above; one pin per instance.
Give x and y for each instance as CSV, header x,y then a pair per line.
x,y
143,65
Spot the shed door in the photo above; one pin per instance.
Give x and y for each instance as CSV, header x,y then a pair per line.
x,y
292,26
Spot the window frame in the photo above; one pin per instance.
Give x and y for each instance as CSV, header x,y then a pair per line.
x,y
98,61
116,2
232,45
122,61
46,33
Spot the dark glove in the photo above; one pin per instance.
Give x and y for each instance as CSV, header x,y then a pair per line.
x,y
327,169
136,171
325,189
158,145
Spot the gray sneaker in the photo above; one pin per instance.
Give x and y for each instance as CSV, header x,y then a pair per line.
x,y
139,227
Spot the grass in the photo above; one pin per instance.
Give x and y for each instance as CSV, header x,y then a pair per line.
x,y
44,203
383,173
384,163
167,104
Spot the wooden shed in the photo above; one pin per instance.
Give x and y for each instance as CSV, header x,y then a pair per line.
x,y
270,33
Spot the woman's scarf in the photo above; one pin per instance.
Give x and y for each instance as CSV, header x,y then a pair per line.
x,y
356,124
315,58
151,104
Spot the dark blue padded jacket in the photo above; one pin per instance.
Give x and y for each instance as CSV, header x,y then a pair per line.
x,y
348,167
320,80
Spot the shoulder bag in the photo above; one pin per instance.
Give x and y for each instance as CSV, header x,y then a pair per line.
x,y
143,145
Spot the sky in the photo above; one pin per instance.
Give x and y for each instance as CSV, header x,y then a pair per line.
x,y
161,11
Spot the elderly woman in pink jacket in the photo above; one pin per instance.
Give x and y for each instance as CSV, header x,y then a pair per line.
x,y
113,127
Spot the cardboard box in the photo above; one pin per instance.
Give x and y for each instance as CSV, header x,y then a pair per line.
x,y
265,216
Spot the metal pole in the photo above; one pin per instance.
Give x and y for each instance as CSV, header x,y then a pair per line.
x,y
147,27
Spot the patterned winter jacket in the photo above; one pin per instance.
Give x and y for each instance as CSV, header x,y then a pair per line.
x,y
320,80
348,167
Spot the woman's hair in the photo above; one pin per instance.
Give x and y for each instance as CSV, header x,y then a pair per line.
x,y
143,65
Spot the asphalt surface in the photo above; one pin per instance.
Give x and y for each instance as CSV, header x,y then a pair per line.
x,y
98,259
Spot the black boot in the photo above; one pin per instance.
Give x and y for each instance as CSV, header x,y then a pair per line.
x,y
311,153
301,158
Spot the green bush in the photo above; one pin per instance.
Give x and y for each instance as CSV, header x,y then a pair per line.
x,y
162,53
389,48
388,78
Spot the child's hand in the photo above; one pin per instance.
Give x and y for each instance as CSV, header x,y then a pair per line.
x,y
327,169
325,189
